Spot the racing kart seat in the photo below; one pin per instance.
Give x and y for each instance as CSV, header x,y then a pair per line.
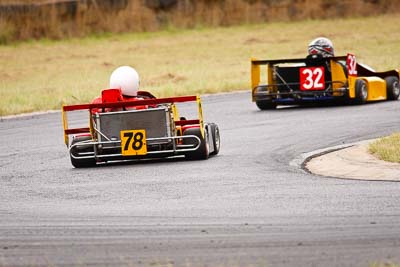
x,y
115,95
311,59
317,60
111,95
107,96
145,95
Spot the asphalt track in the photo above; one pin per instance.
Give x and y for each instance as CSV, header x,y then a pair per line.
x,y
250,206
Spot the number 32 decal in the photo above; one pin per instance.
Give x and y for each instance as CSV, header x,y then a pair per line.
x,y
312,78
351,63
133,142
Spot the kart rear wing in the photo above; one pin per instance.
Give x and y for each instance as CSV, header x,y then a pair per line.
x,y
292,60
123,104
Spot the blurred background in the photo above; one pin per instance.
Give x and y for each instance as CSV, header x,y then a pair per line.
x,y
56,52
57,19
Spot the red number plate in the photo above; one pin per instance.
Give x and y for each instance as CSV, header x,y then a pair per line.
x,y
351,63
312,78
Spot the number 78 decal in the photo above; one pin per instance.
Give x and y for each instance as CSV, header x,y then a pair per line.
x,y
133,142
312,78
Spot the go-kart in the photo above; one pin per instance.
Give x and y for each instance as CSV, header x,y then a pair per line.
x,y
131,130
317,79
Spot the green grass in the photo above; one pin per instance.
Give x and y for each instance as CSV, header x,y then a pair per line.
x,y
387,148
43,75
384,264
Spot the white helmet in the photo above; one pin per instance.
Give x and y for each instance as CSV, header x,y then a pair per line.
x,y
321,46
127,79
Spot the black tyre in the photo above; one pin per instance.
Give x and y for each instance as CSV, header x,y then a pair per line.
x,y
78,162
392,87
265,104
203,151
215,138
361,92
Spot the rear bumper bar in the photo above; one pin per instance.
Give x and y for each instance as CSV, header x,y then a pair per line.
x,y
100,149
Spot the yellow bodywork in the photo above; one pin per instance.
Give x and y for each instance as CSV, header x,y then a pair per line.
x,y
175,114
256,76
65,125
200,111
352,86
376,88
338,74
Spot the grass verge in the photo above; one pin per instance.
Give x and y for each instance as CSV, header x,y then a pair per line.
x,y
387,148
384,264
43,75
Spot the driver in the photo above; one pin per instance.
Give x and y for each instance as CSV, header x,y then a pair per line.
x,y
321,46
126,79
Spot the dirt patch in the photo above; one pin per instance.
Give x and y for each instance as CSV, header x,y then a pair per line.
x,y
253,41
354,162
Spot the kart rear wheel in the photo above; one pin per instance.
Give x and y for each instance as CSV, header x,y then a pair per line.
x,y
78,162
203,151
265,104
392,87
215,138
361,92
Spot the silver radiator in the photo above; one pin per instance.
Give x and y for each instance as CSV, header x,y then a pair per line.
x,y
156,121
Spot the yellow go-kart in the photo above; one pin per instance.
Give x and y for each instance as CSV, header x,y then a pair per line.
x,y
318,79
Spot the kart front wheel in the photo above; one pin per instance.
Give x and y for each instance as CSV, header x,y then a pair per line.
x,y
202,151
392,87
81,162
361,92
265,104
